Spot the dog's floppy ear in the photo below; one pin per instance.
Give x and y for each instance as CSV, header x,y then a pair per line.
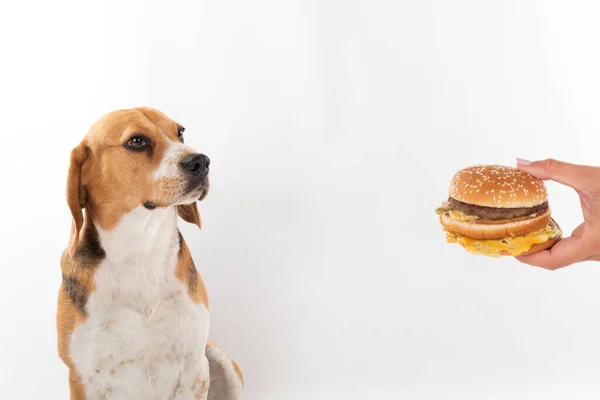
x,y
76,193
190,213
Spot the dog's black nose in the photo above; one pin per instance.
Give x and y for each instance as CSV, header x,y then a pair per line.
x,y
197,164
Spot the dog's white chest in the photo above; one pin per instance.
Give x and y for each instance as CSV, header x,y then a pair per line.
x,y
144,338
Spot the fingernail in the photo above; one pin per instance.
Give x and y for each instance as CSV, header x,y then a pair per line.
x,y
523,162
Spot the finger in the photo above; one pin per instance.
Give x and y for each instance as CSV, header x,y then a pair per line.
x,y
578,232
594,257
565,252
573,175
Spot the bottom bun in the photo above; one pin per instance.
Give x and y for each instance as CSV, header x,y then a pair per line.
x,y
536,247
509,246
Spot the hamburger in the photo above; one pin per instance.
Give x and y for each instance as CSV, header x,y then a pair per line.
x,y
496,211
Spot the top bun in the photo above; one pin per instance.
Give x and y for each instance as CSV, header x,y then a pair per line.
x,y
497,186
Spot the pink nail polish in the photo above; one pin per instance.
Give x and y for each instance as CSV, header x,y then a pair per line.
x,y
523,162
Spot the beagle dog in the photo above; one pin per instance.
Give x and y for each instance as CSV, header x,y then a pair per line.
x,y
133,313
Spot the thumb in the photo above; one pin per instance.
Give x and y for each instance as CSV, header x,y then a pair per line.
x,y
572,175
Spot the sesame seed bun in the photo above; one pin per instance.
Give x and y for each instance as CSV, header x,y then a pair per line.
x,y
495,210
483,229
497,186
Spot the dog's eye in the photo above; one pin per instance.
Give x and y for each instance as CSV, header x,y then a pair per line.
x,y
180,133
138,143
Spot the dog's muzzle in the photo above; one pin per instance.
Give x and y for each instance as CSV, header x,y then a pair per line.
x,y
196,165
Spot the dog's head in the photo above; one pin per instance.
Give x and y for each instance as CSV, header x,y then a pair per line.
x,y
131,158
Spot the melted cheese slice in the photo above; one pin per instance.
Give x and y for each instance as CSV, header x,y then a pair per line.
x,y
455,214
461,216
512,245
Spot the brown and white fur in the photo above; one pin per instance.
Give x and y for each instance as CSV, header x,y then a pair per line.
x,y
133,313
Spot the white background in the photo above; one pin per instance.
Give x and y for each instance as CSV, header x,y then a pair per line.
x,y
333,128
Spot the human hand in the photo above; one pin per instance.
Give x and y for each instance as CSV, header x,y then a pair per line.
x,y
584,242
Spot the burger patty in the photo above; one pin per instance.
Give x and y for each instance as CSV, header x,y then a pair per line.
x,y
493,212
